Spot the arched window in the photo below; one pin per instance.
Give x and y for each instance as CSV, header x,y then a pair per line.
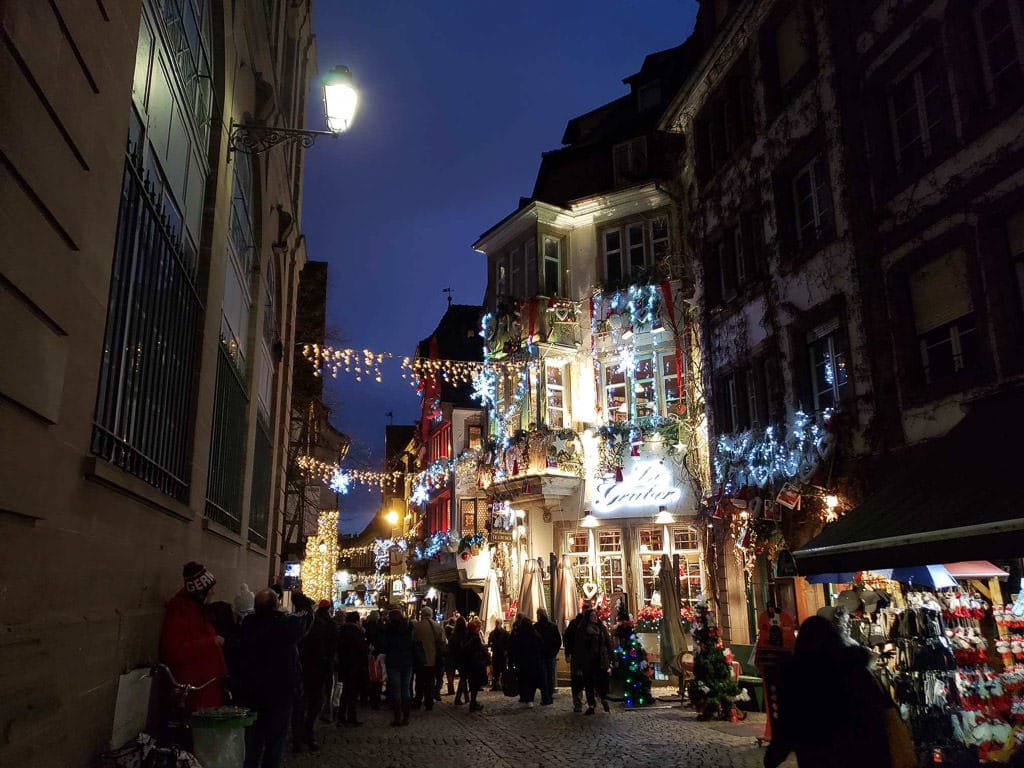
x,y
147,385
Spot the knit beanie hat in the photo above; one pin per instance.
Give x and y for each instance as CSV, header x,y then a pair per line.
x,y
244,600
197,578
325,603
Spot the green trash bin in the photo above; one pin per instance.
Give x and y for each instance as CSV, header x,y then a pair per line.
x,y
218,735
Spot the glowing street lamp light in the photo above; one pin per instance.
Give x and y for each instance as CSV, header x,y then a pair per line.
x,y
340,101
391,518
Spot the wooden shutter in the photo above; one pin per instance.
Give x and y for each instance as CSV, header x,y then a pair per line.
x,y
940,292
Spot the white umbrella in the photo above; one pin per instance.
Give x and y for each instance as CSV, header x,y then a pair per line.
x,y
567,598
531,593
490,604
673,638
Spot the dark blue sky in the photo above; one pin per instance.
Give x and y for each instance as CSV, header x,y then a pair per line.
x,y
458,98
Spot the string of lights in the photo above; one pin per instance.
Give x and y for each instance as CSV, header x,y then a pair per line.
x,y
341,479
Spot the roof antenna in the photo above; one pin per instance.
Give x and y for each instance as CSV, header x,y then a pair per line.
x,y
448,291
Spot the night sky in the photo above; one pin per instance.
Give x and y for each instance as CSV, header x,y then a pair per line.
x,y
458,98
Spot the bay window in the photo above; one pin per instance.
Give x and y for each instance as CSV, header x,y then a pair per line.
x,y
632,249
557,404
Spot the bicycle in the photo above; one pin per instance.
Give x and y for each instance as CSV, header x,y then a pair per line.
x,y
173,743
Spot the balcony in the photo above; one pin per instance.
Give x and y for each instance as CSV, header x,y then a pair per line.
x,y
539,464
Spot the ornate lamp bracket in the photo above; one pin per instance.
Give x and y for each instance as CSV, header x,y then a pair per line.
x,y
256,139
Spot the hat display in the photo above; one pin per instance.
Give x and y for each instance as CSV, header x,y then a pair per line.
x,y
197,578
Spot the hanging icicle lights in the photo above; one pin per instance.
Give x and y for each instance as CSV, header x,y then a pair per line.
x,y
340,479
360,362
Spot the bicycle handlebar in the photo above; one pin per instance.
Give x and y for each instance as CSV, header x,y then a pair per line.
x,y
185,688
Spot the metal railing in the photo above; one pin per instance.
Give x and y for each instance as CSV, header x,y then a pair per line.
x,y
227,447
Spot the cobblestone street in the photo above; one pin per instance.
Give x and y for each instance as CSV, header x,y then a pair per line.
x,y
504,734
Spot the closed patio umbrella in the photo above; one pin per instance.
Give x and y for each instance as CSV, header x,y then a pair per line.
x,y
933,576
567,598
531,592
673,638
490,603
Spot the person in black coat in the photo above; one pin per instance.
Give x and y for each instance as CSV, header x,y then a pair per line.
x,y
456,643
316,654
353,661
396,644
525,650
474,662
551,644
271,673
576,681
497,641
373,627
832,709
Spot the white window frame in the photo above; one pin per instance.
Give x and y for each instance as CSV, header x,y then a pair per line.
x,y
515,271
810,169
557,260
654,403
564,416
925,135
653,248
829,333
606,579
663,380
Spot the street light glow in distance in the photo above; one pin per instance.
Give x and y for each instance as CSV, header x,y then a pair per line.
x,y
340,99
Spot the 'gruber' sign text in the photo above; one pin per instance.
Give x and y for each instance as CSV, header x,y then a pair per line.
x,y
648,484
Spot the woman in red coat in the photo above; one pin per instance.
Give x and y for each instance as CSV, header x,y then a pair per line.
x,y
189,645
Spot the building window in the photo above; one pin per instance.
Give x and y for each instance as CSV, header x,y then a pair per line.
x,y
632,249
944,318
748,397
829,375
530,259
515,260
615,402
645,389
920,115
610,561
227,446
472,515
557,405
552,266
146,396
629,161
672,393
791,46
656,541
1000,29
440,443
652,546
501,275
474,437
726,122
1015,234
812,200
259,499
734,261
577,546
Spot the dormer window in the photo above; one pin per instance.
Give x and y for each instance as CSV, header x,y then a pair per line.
x,y
629,161
648,96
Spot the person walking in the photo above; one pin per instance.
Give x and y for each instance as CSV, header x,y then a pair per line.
x,y
189,644
551,644
374,628
475,660
429,643
456,643
592,652
497,641
525,652
353,663
449,659
575,669
396,645
270,658
832,710
316,655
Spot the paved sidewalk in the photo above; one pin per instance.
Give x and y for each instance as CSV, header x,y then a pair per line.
x,y
504,735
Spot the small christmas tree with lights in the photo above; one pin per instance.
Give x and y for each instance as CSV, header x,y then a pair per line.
x,y
321,559
713,691
631,667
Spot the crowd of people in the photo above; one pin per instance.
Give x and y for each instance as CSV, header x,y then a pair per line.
x,y
311,664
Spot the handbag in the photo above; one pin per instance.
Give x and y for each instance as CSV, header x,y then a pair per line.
x,y
336,695
375,670
510,682
901,748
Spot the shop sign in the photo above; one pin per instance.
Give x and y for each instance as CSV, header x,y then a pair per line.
x,y
648,484
498,536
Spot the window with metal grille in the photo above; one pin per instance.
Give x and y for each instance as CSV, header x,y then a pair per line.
x,y
227,446
259,501
146,397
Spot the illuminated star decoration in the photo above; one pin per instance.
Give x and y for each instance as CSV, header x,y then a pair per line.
x,y
340,481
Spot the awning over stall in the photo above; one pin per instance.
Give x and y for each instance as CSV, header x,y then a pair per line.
x,y
951,498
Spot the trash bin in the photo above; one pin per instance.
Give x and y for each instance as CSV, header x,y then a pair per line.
x,y
218,736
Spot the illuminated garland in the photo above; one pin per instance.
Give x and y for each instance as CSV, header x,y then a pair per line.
x,y
361,362
769,457
321,557
433,546
340,479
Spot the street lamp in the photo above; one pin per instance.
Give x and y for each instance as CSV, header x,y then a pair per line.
x,y
340,100
391,518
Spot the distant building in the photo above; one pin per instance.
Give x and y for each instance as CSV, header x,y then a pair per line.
x,y
147,299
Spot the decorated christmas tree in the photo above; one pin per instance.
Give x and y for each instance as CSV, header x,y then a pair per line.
x,y
631,668
713,690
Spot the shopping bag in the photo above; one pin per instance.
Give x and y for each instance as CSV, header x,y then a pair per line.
x,y
336,695
510,682
901,748
373,669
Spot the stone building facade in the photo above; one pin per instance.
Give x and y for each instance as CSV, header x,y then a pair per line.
x,y
852,185
147,288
